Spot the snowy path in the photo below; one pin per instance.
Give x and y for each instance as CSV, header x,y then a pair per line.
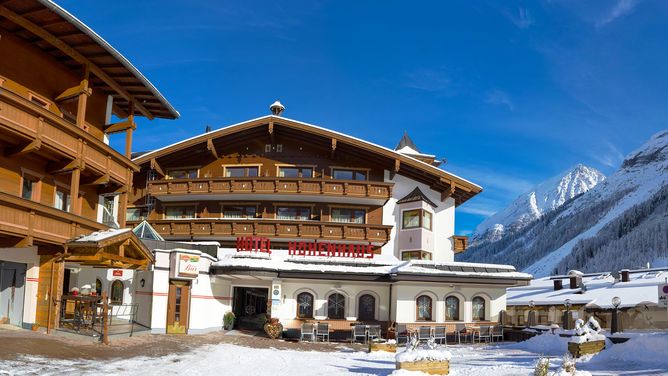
x,y
502,360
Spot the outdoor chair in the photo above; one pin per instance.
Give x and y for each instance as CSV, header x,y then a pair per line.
x,y
485,333
307,332
359,331
462,331
374,332
439,334
401,332
322,331
497,332
424,333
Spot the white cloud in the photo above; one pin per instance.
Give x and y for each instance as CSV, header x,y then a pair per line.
x,y
522,19
611,156
621,8
428,79
499,97
475,209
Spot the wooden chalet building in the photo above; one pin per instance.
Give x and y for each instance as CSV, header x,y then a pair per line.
x,y
312,224
62,187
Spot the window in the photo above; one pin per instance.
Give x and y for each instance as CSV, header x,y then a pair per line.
x,y
367,308
305,305
416,218
423,307
182,173
62,199
293,213
341,174
452,308
177,212
239,211
98,287
116,296
135,214
295,172
108,205
29,187
348,215
415,255
242,171
336,306
478,308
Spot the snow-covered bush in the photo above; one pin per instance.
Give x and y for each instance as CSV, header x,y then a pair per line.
x,y
568,368
587,332
542,367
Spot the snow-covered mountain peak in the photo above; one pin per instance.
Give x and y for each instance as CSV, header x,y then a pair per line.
x,y
540,200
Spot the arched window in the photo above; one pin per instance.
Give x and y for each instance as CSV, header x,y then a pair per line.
x,y
478,308
452,308
336,306
116,296
98,287
423,308
367,308
305,305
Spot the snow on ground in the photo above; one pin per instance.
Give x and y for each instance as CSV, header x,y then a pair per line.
x,y
642,355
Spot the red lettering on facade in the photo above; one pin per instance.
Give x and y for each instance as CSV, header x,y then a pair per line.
x,y
313,248
253,244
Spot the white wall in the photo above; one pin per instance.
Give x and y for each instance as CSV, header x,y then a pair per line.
x,y
29,257
443,219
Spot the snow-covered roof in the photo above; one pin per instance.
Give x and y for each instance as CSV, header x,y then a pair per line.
x,y
99,236
598,291
379,266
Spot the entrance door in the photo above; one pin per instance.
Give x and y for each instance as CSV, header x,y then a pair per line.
x,y
177,307
250,306
12,287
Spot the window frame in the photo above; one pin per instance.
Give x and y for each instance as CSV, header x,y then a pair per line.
x,y
421,255
417,308
185,169
354,170
245,167
351,216
359,307
312,308
35,189
114,283
242,205
484,308
342,303
458,315
421,214
299,168
171,206
298,207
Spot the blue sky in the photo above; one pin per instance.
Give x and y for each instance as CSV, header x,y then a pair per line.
x,y
510,92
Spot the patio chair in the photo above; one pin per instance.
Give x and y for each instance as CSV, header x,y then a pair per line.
x,y
307,332
424,333
322,331
439,334
497,332
401,332
359,331
374,332
485,332
462,331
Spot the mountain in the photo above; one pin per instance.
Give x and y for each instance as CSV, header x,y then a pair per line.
x,y
620,223
532,205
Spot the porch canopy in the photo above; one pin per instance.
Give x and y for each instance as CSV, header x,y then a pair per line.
x,y
114,248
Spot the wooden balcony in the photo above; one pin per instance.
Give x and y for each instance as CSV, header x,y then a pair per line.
x,y
27,221
34,129
271,228
460,243
199,189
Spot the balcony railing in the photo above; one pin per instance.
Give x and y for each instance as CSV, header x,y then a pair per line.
x,y
270,185
271,228
22,218
28,121
460,243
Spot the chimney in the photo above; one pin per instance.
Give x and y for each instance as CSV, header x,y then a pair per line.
x,y
575,281
277,108
624,274
558,284
207,129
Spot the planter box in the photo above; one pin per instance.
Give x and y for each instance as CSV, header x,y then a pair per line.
x,y
431,367
591,347
379,346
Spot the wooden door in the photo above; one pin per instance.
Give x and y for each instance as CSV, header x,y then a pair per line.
x,y
178,302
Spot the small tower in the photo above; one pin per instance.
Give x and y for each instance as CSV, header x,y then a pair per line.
x,y
277,108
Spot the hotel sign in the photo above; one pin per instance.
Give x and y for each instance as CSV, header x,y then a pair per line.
x,y
187,265
663,295
253,244
313,248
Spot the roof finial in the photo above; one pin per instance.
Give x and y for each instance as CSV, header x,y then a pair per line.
x,y
277,108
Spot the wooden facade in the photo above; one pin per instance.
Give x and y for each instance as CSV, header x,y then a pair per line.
x,y
60,83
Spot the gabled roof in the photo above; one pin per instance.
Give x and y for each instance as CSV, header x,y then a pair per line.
x,y
58,33
407,142
416,195
145,231
407,165
113,248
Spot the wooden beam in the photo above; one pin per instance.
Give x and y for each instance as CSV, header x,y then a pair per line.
x,y
23,149
211,148
75,204
74,92
55,168
155,166
83,98
271,127
120,126
448,192
81,59
100,180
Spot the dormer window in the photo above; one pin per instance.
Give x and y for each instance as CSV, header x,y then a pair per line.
x,y
182,173
417,218
349,174
241,171
295,172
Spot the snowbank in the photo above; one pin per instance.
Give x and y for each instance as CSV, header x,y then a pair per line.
x,y
646,349
547,343
423,354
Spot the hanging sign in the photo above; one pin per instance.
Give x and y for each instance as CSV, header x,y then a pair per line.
x,y
117,273
326,249
188,265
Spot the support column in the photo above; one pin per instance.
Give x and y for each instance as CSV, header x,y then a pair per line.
x,y
74,191
83,99
128,142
